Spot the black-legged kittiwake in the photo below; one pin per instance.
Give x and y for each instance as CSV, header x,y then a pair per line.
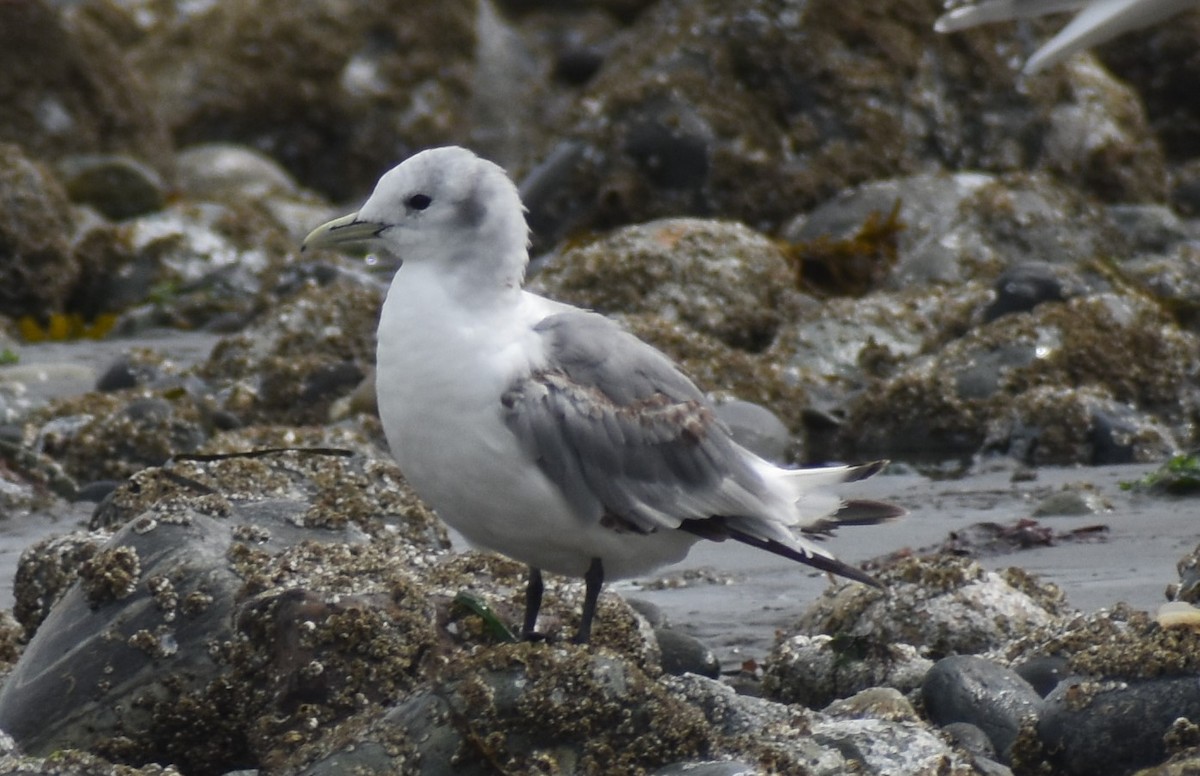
x,y
548,433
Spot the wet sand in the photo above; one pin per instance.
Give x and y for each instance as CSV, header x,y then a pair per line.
x,y
1133,562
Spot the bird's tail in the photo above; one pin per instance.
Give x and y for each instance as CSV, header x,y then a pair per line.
x,y
821,509
818,510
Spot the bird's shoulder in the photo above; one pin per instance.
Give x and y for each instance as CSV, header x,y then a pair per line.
x,y
597,353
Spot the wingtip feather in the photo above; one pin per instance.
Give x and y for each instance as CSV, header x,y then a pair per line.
x,y
813,557
864,470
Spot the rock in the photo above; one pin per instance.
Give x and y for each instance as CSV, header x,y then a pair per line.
x,y
877,702
1100,122
773,725
682,654
120,187
1022,287
967,225
1069,502
966,688
817,670
1156,63
113,435
1185,191
661,132
39,268
937,606
46,570
263,609
75,762
130,370
1129,717
1117,643
722,279
296,361
196,262
1171,278
1127,672
68,89
227,173
755,428
1188,568
886,747
220,172
520,716
1149,229
1044,388
832,350
332,92
970,738
177,579
649,611
797,740
1043,673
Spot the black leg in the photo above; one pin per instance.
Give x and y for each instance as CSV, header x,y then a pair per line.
x,y
594,580
533,602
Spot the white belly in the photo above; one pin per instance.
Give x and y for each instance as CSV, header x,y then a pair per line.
x,y
439,398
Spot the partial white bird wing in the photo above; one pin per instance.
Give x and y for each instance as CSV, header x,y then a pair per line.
x,y
1098,21
631,442
1101,21
1000,11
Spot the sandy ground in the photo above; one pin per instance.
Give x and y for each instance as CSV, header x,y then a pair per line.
x,y
1133,561
734,598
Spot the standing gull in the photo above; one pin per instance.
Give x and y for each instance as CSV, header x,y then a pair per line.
x,y
545,432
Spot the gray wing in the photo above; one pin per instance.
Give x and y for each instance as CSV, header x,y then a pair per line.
x,y
624,434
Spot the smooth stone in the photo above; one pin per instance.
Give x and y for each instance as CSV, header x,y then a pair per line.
x,y
1023,287
651,611
96,491
220,171
1111,728
125,373
1043,673
120,187
683,654
756,428
968,688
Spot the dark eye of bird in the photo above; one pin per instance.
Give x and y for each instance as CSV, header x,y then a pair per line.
x,y
418,202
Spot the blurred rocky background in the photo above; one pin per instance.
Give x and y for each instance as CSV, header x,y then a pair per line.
x,y
866,238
